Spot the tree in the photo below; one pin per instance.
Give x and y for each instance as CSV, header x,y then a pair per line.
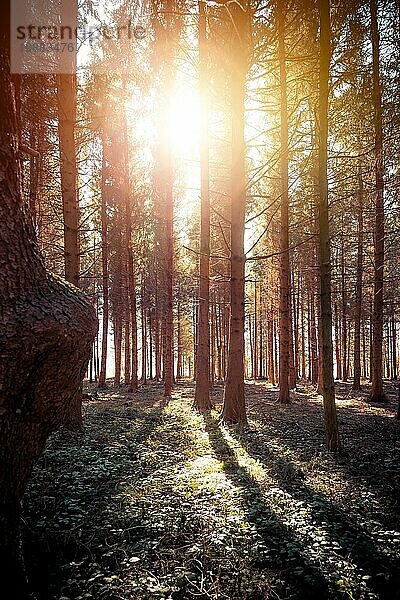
x,y
202,391
104,259
46,333
377,393
358,291
66,100
328,391
234,408
284,275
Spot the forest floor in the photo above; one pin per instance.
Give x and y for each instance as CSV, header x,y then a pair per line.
x,y
155,501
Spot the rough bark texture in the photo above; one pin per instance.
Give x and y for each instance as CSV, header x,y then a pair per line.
x,y
377,393
234,409
328,391
284,274
202,391
46,332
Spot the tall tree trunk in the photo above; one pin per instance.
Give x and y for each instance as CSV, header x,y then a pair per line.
x,y
377,393
344,312
358,291
66,98
284,271
234,408
331,426
178,341
46,333
127,344
144,332
394,345
167,183
339,372
104,264
202,391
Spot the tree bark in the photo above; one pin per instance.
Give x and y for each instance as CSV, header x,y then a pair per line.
x,y
234,408
331,426
104,264
202,390
66,98
377,393
358,291
284,271
47,329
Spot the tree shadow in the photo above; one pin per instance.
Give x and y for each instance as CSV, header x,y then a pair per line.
x,y
284,554
382,572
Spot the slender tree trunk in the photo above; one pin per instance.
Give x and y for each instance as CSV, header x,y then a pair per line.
x,y
133,385
157,337
377,393
150,319
344,312
202,391
331,426
339,372
358,291
144,333
178,342
394,345
284,272
66,98
127,345
303,340
104,264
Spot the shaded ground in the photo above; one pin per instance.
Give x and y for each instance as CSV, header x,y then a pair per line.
x,y
155,501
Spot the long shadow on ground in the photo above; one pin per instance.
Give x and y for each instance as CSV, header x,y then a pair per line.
x,y
284,555
352,543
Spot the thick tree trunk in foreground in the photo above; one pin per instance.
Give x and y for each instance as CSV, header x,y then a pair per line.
x,y
328,392
202,391
377,393
234,409
46,333
284,274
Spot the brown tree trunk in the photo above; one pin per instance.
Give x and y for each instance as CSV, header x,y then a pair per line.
x,y
104,264
144,333
377,393
339,372
234,408
46,333
358,291
394,345
66,98
202,391
284,271
168,206
331,426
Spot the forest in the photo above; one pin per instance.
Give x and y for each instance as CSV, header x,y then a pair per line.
x,y
199,299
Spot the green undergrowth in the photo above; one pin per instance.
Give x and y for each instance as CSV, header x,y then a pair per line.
x,y
156,501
